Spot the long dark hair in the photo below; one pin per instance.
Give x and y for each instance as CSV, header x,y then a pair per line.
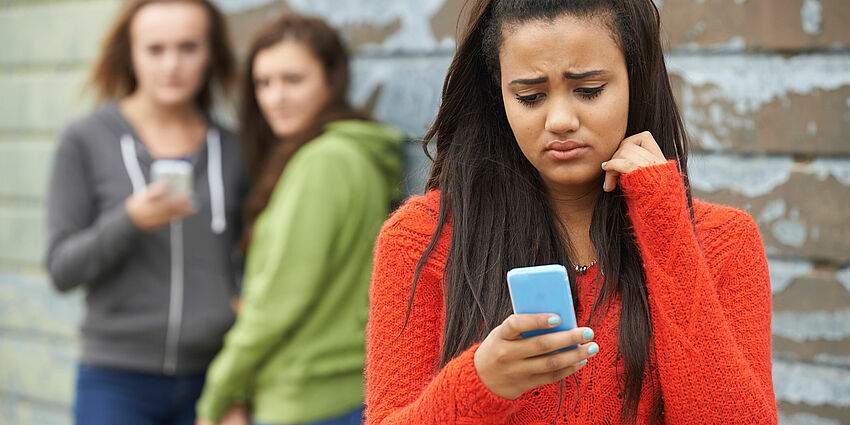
x,y
266,154
112,75
499,208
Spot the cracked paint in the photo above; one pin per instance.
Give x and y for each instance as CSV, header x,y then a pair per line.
x,y
812,325
811,17
783,273
812,385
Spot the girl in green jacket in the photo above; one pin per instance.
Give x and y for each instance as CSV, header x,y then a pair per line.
x,y
325,178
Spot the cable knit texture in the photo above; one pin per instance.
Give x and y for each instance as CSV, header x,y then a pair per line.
x,y
709,295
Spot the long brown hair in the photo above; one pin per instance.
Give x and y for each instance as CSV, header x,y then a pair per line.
x,y
483,176
112,75
267,155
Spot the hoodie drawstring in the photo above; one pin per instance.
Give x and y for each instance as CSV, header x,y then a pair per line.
x,y
215,175
131,163
215,178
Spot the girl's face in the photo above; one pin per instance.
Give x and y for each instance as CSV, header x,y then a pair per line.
x,y
566,93
290,86
170,50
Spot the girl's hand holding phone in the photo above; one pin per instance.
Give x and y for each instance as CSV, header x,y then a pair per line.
x,y
154,207
509,365
640,150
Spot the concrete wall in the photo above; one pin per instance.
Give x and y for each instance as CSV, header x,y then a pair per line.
x,y
764,86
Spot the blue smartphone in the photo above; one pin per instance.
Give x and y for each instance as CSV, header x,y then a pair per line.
x,y
543,289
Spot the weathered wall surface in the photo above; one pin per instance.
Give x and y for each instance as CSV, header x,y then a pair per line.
x,y
764,87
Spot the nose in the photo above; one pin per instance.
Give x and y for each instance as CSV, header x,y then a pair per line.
x,y
277,92
562,116
273,95
171,60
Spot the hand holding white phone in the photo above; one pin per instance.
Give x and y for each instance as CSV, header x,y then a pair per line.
x,y
177,173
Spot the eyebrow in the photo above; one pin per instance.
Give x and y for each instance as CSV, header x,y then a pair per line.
x,y
583,75
567,75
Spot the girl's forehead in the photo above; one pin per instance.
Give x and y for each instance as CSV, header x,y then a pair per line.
x,y
169,21
566,41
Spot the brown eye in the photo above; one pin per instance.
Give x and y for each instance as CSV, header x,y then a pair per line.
x,y
293,78
155,49
531,99
188,47
590,92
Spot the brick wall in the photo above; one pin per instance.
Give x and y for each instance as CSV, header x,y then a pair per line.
x,y
765,90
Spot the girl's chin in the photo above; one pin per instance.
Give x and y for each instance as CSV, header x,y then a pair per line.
x,y
572,180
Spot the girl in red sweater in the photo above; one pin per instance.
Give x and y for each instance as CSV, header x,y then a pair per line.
x,y
558,141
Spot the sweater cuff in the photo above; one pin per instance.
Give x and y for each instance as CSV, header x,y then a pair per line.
x,y
212,405
477,403
653,180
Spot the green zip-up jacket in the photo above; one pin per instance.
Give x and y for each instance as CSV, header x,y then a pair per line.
x,y
296,351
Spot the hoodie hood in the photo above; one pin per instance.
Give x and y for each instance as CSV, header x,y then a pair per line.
x,y
381,143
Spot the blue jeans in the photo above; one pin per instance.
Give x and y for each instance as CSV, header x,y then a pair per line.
x,y
108,396
354,417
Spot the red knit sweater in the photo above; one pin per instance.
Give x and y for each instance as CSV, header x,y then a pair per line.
x,y
709,297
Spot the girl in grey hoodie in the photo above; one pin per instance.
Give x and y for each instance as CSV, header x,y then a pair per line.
x,y
157,268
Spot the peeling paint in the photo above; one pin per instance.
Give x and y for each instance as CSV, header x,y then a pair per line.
x,y
805,419
813,385
402,100
415,31
414,34
233,6
790,231
843,276
812,325
825,167
734,44
748,176
811,18
772,210
757,176
750,81
812,128
783,272
831,360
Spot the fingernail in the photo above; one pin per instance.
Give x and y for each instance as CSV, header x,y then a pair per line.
x,y
588,334
593,349
554,320
603,164
583,361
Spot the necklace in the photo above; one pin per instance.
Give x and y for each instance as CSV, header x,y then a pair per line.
x,y
582,269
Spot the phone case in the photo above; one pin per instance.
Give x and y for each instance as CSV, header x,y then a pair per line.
x,y
177,173
543,289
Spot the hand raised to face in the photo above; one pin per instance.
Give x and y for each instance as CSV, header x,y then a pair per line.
x,y
640,150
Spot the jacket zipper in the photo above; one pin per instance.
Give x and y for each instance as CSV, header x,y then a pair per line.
x,y
175,299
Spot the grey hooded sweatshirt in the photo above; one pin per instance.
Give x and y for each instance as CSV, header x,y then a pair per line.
x,y
157,302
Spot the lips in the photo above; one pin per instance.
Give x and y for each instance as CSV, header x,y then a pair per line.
x,y
564,150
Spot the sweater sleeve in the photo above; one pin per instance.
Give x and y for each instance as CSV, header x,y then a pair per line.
x,y
81,245
402,383
710,305
284,275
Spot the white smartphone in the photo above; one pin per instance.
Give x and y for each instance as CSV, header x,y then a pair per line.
x,y
177,173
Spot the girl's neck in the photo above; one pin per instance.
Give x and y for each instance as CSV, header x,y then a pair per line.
x,y
573,207
143,109
167,131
